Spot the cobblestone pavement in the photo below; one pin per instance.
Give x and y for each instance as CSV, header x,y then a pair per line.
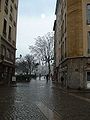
x,y
22,103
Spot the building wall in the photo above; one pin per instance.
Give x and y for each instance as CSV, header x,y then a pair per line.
x,y
8,11
13,22
72,57
60,34
1,19
86,27
1,14
74,28
11,18
57,36
74,71
77,28
60,30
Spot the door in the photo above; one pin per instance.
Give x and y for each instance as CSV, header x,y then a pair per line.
x,y
88,79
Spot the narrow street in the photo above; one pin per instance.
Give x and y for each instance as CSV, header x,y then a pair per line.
x,y
39,100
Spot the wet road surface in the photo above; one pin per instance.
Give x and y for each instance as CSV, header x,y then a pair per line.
x,y
39,100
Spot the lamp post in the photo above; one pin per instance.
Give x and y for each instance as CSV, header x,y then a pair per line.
x,y
19,57
13,77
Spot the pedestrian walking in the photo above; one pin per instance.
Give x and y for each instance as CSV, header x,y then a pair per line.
x,y
62,80
52,77
39,76
47,77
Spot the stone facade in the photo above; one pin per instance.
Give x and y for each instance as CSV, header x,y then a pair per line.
x,y
71,43
8,27
74,28
74,71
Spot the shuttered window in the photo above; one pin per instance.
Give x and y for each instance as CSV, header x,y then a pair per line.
x,y
88,13
89,42
0,5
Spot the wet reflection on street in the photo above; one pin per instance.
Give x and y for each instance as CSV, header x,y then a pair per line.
x,y
51,115
39,100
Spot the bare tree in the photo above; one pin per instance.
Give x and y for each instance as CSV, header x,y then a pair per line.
x,y
30,62
26,65
44,49
21,67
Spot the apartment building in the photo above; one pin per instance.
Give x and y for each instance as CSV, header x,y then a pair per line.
x,y
8,27
72,43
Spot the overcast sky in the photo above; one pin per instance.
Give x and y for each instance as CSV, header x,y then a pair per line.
x,y
35,18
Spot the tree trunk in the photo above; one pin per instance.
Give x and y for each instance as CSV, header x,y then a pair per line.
x,y
49,68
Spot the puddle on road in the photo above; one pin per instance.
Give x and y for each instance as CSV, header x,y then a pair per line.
x,y
47,112
42,86
17,101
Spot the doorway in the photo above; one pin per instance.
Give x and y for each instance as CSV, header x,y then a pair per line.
x,y
88,80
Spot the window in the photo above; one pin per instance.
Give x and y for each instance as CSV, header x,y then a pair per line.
x,y
88,76
11,9
3,50
6,9
13,42
9,35
65,48
4,28
8,53
15,6
65,24
0,5
89,42
88,14
6,2
62,51
12,56
10,17
12,1
14,23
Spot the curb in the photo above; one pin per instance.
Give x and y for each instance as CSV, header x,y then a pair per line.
x,y
70,90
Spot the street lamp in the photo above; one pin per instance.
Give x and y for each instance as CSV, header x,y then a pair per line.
x,y
19,57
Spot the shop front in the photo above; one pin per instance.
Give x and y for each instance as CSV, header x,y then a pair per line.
x,y
7,70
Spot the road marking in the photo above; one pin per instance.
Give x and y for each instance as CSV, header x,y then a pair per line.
x,y
50,115
17,101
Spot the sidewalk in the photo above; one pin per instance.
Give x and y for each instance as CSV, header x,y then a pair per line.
x,y
80,94
58,86
39,100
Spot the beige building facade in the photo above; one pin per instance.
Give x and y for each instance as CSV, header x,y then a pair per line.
x,y
72,43
8,27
